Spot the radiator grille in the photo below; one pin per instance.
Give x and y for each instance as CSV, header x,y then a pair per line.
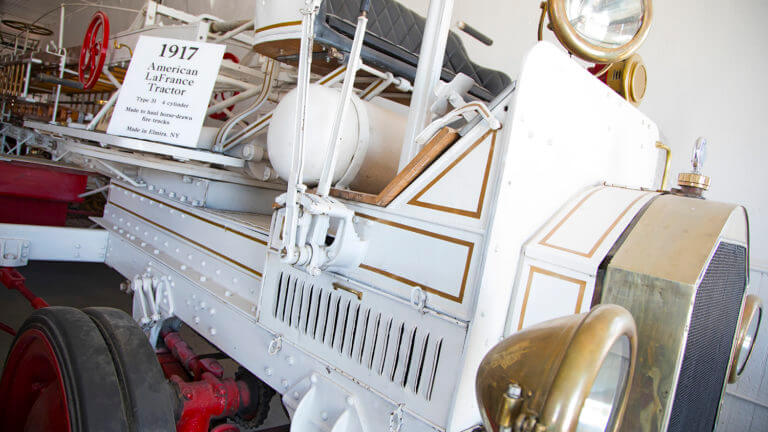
x,y
391,348
713,324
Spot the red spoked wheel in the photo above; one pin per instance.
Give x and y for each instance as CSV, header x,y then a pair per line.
x,y
94,50
59,376
221,96
38,386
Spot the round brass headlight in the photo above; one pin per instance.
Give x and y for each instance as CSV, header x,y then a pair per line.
x,y
600,31
567,374
746,335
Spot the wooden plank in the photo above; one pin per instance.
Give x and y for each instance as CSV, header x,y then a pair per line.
x,y
434,148
355,196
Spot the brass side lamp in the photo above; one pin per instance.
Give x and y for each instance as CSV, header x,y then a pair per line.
x,y
746,335
566,374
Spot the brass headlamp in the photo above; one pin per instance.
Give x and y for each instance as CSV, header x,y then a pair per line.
x,y
607,33
562,375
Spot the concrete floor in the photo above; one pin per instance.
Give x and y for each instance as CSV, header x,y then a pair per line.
x,y
85,284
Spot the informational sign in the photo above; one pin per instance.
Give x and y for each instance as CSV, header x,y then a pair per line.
x,y
166,90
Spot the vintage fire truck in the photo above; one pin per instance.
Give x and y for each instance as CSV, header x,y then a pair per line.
x,y
384,233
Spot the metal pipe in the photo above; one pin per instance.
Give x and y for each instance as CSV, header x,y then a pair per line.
x,y
667,163
223,140
62,64
247,25
93,192
61,81
225,26
427,74
103,111
353,63
26,80
227,80
232,100
295,178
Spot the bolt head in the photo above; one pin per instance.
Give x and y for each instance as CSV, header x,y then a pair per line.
x,y
514,391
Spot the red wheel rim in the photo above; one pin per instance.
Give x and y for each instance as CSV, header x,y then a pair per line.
x,y
32,395
221,115
94,50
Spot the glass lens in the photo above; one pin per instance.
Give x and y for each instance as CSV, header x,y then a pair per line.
x,y
606,23
605,396
749,341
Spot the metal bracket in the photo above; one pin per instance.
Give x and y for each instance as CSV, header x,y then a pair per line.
x,y
13,252
275,345
418,299
310,250
396,419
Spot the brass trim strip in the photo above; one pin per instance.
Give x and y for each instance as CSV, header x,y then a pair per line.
x,y
356,293
378,84
582,287
481,199
470,248
544,241
277,25
237,263
216,224
332,75
255,125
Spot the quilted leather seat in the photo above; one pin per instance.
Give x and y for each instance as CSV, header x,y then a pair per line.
x,y
393,40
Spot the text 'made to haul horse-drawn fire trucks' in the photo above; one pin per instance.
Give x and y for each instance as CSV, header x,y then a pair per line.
x,y
386,234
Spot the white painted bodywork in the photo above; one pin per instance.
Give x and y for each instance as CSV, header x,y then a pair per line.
x,y
35,242
448,264
466,233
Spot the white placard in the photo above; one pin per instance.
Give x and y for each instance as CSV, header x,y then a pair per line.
x,y
166,90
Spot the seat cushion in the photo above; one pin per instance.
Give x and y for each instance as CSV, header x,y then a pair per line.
x,y
395,33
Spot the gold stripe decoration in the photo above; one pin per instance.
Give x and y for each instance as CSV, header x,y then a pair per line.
x,y
469,245
538,270
183,237
208,221
278,25
356,293
545,241
477,212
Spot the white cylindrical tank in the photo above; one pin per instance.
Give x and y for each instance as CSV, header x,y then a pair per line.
x,y
371,140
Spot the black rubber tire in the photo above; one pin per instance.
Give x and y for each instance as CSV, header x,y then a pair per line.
x,y
145,390
90,382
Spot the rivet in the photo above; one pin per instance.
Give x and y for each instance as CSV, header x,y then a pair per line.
x,y
213,331
284,383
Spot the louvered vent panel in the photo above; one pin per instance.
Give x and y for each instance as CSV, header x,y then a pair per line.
x,y
385,345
